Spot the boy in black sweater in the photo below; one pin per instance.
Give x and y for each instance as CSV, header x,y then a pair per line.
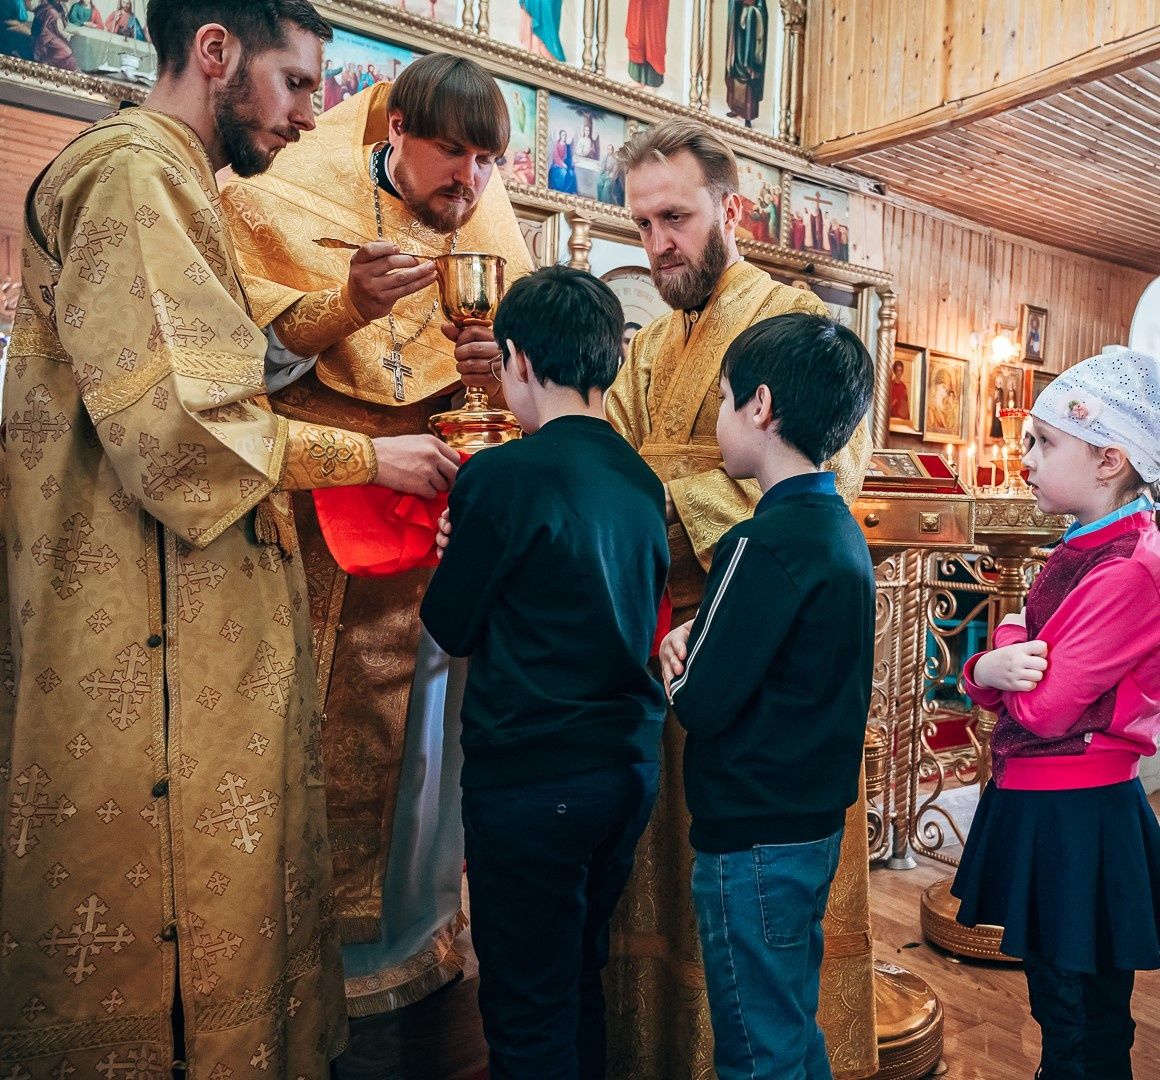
x,y
551,580
772,683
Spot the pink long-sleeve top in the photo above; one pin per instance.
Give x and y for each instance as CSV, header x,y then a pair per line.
x,y
1096,711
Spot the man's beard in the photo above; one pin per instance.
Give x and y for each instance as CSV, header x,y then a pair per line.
x,y
237,128
443,221
690,287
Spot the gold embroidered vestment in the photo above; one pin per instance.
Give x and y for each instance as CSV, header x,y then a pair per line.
x,y
159,730
366,631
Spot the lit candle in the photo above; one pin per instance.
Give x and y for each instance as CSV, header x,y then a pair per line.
x,y
971,465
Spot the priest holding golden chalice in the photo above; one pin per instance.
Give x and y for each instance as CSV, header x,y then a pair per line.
x,y
338,245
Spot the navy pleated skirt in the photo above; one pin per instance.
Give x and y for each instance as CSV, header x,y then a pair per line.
x,y
1073,876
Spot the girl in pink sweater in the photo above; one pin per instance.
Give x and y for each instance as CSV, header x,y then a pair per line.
x,y
1064,851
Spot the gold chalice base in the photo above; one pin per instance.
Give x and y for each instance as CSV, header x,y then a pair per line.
x,y
475,426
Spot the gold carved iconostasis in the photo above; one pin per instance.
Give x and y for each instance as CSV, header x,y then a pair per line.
x,y
579,77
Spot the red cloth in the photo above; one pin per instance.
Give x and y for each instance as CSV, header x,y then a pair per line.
x,y
664,623
374,531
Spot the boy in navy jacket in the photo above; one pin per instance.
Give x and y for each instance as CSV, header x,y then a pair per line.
x,y
772,683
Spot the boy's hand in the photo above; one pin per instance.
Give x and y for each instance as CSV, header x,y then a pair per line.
x,y
673,651
443,533
1015,618
1014,667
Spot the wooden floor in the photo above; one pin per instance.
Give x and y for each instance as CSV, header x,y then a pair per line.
x,y
989,1033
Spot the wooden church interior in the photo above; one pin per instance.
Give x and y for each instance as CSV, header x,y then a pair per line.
x,y
969,184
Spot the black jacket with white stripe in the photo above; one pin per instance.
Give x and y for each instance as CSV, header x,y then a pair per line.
x,y
776,685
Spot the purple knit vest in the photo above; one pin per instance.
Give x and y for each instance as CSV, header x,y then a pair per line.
x,y
1060,574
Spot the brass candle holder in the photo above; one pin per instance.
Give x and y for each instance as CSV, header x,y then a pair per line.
x,y
470,289
1012,421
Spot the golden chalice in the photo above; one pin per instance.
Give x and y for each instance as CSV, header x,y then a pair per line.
x,y
470,289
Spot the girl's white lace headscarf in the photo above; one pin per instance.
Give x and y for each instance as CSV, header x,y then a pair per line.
x,y
1110,400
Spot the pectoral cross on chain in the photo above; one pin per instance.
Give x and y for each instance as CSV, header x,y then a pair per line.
x,y
393,362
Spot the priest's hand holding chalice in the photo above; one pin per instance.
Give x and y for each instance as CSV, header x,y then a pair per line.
x,y
470,289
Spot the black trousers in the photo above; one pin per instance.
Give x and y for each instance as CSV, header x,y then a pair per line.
x,y
1086,1021
546,864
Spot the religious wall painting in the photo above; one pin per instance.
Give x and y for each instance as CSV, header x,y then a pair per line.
x,y
647,47
542,235
582,145
1004,390
552,29
819,220
638,296
352,62
760,191
1039,381
519,162
843,302
946,409
1032,333
896,465
745,62
106,38
444,11
907,386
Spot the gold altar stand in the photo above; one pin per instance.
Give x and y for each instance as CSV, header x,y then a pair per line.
x,y
1010,527
903,517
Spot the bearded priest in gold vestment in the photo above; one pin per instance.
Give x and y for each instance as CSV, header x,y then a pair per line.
x,y
403,173
681,185
165,883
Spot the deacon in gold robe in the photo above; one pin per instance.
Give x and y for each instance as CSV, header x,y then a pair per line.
x,y
681,187
409,165
166,888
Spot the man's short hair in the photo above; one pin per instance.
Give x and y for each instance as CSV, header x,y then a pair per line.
x,y
568,323
259,25
819,374
661,141
451,97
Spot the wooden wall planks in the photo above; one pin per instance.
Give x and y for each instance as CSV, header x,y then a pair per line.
x,y
954,278
871,62
28,141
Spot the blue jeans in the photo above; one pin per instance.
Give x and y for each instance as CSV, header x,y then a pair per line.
x,y
546,864
760,917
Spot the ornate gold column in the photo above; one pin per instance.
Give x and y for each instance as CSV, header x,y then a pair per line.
x,y
602,30
699,55
579,242
789,125
1010,528
884,358
589,33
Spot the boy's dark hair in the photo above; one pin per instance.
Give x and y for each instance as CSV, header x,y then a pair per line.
x,y
451,97
819,374
259,25
568,324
